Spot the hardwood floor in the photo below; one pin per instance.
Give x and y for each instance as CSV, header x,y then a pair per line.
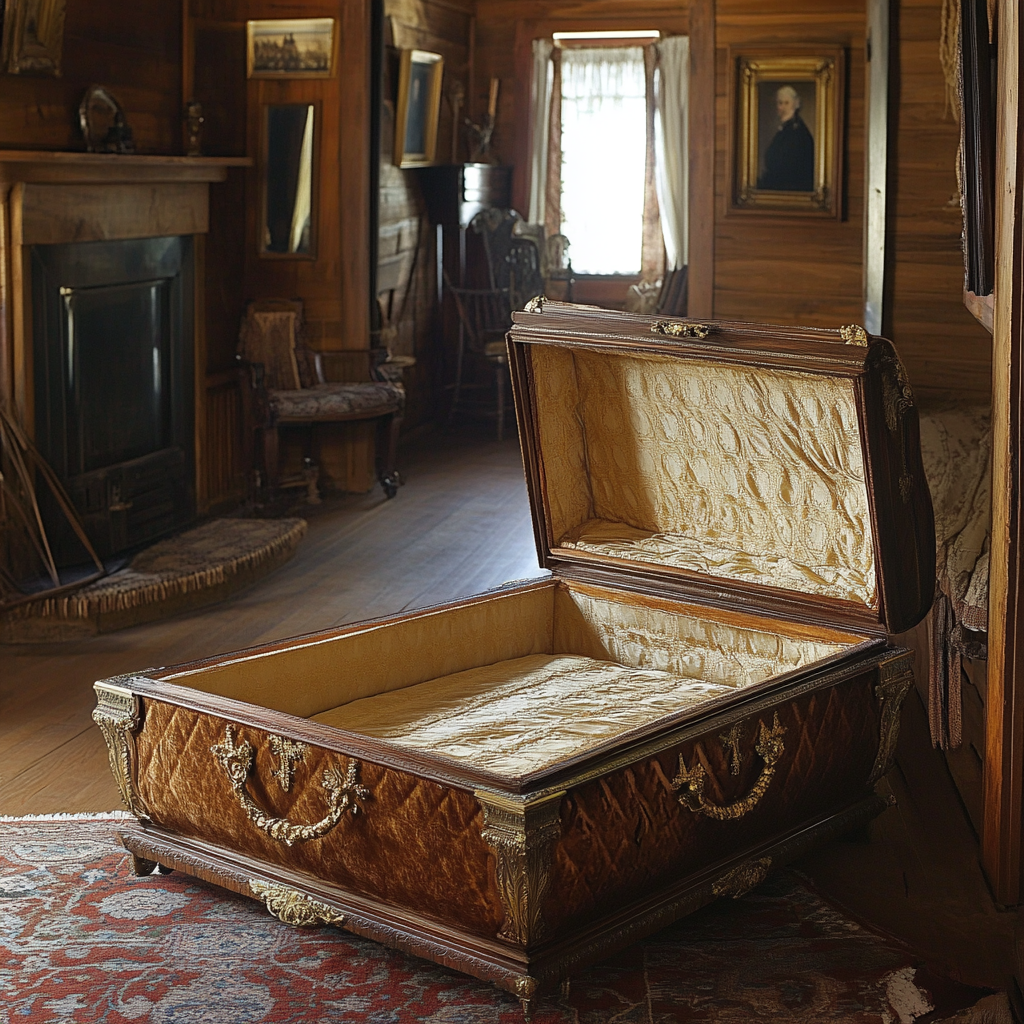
x,y
461,525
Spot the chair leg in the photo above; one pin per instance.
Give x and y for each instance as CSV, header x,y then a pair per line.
x,y
499,379
387,443
270,458
457,390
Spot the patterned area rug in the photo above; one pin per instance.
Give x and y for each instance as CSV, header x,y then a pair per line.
x,y
193,569
81,940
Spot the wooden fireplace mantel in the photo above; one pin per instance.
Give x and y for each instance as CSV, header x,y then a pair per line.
x,y
52,198
110,168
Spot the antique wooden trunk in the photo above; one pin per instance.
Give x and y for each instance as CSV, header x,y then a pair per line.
x,y
519,783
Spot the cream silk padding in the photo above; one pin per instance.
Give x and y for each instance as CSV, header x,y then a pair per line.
x,y
736,472
616,665
644,635
518,717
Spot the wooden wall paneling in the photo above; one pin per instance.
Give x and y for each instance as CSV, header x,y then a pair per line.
x,y
406,239
701,280
1002,836
133,49
201,438
768,267
943,346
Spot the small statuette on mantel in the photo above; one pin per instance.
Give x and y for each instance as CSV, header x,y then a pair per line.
x,y
194,128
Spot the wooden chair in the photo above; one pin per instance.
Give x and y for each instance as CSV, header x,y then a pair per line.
x,y
485,316
283,383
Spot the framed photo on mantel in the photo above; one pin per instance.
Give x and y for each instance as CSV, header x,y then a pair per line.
x,y
787,131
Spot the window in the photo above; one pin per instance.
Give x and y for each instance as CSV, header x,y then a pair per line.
x,y
604,154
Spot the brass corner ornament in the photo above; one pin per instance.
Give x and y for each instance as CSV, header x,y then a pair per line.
x,y
294,907
741,880
854,334
689,784
895,680
118,713
343,793
681,329
536,304
521,834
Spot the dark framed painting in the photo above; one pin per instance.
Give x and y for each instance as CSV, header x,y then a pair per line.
x,y
787,131
290,48
419,105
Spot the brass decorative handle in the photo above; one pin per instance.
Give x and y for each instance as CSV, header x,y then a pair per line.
x,y
689,784
342,793
681,329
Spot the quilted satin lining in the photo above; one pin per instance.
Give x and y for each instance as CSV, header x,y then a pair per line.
x,y
737,472
520,716
616,665
669,639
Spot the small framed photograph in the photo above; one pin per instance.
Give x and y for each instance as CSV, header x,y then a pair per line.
x,y
297,48
418,107
787,131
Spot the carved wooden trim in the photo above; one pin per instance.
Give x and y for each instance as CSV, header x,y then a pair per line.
x,y
521,833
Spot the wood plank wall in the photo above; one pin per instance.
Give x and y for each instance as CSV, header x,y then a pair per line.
x,y
133,49
406,238
943,346
781,269
778,269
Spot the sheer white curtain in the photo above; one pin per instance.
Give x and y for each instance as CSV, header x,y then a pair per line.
x,y
540,112
672,142
604,145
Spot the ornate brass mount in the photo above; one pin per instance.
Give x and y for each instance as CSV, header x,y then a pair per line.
x,y
294,907
681,329
521,833
854,334
288,753
118,713
690,782
897,398
342,792
536,304
895,679
741,880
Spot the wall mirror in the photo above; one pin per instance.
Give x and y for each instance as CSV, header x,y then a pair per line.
x,y
289,203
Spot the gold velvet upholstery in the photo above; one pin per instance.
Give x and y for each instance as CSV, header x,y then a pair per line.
x,y
734,472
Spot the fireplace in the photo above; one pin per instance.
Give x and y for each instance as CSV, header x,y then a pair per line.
x,y
112,352
102,333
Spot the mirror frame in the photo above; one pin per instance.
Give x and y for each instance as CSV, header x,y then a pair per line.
x,y
261,223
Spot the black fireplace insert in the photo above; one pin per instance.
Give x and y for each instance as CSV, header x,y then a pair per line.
x,y
113,378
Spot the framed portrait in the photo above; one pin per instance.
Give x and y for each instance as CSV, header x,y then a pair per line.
x,y
33,36
296,48
418,107
788,131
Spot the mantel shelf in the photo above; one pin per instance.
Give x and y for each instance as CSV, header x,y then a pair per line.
x,y
111,168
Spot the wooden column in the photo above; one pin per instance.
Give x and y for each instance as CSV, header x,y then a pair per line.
x,y
1004,743
702,159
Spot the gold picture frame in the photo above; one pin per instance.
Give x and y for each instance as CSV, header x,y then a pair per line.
x,y
290,48
788,131
33,36
420,74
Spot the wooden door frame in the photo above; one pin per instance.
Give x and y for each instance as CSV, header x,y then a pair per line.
x,y
1004,743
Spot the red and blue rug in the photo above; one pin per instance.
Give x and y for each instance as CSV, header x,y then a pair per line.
x,y
82,940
